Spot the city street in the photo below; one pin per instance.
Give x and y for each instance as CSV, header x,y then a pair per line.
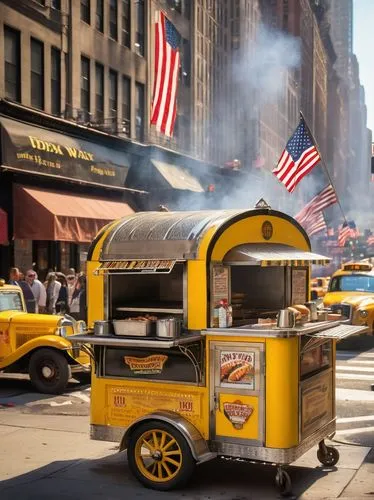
x,y
47,450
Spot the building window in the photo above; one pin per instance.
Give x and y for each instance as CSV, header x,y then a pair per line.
x,y
113,99
99,93
55,81
113,14
139,35
37,74
85,86
126,23
12,65
56,4
100,15
126,109
186,63
139,111
85,11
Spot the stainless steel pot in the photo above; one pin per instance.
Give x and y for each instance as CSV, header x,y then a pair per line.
x,y
168,328
102,328
312,306
286,319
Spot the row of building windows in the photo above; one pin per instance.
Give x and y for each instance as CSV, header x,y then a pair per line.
x,y
114,25
119,119
116,122
12,67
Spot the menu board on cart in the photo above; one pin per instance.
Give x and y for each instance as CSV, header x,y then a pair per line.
x,y
316,402
237,368
220,284
299,286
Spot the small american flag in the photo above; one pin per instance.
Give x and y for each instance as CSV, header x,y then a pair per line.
x,y
322,200
167,62
370,240
347,231
315,224
298,158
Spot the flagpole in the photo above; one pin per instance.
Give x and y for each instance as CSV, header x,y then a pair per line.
x,y
324,166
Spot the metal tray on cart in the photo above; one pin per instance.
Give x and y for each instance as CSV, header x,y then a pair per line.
x,y
132,328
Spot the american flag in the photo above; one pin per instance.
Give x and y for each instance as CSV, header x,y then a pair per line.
x,y
298,158
370,240
321,201
167,63
315,224
347,231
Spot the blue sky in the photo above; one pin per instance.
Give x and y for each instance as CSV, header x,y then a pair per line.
x,y
363,41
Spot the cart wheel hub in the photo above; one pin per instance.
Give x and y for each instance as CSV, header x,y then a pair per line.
x,y
157,455
47,372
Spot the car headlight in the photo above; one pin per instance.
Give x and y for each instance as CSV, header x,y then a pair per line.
x,y
62,331
363,313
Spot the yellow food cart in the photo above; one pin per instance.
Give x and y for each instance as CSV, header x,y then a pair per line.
x,y
174,381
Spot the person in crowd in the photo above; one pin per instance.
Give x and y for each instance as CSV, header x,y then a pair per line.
x,y
78,308
62,304
72,281
53,290
17,278
38,290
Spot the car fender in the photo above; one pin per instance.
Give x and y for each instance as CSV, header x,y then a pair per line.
x,y
52,341
197,444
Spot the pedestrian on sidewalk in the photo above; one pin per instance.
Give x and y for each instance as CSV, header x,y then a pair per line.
x,y
38,290
62,304
17,278
53,290
78,301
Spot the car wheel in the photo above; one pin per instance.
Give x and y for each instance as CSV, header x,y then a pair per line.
x,y
49,371
159,456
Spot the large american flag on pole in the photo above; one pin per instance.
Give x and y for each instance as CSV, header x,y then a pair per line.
x,y
298,158
167,62
320,202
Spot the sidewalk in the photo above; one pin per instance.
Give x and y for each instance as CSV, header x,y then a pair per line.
x,y
52,457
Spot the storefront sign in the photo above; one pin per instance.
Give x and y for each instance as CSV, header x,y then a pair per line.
x,y
237,367
316,403
124,405
155,364
43,151
237,412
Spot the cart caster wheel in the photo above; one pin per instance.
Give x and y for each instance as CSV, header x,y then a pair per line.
x,y
159,456
329,456
283,482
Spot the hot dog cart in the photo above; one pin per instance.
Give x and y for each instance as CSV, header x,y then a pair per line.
x,y
172,383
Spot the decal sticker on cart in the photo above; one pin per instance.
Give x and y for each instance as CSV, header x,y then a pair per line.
x,y
4,337
237,367
237,412
148,365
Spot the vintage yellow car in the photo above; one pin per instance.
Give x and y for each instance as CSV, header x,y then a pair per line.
x,y
353,285
38,344
319,286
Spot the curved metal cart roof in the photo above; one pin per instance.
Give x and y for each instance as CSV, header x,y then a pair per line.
x,y
172,235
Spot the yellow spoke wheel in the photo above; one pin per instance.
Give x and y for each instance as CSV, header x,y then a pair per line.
x,y
159,456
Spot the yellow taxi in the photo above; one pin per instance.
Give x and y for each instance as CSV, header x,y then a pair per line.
x,y
38,344
353,285
319,286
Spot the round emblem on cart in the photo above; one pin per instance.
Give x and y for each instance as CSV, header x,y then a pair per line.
x,y
267,230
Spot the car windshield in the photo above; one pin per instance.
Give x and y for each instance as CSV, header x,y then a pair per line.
x,y
10,301
352,283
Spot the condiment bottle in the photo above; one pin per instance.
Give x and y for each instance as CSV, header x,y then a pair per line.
x,y
222,315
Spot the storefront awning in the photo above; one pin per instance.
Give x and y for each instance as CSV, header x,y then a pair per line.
x,y
3,227
178,177
272,254
51,215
